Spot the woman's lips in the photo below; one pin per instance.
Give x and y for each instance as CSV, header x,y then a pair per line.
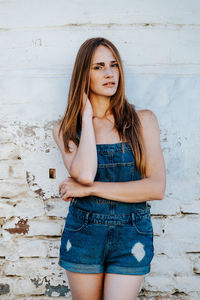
x,y
109,84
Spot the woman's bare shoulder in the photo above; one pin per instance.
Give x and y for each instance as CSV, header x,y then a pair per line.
x,y
149,121
146,116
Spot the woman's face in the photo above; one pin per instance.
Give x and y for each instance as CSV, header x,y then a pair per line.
x,y
104,69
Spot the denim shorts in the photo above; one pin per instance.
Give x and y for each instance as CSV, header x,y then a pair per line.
x,y
108,236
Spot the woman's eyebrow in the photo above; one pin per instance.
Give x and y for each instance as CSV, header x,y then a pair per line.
x,y
102,63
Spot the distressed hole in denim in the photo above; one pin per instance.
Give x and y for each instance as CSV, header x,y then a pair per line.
x,y
138,251
68,246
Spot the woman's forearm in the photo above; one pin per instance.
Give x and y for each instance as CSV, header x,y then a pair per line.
x,y
84,164
131,191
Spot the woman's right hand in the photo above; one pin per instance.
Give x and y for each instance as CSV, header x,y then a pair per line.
x,y
88,111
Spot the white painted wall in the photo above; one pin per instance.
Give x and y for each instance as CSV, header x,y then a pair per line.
x,y
159,42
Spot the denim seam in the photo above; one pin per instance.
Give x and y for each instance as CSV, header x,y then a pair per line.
x,y
128,164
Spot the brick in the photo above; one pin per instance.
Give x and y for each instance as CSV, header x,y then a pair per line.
x,y
162,264
12,169
5,136
7,249
185,231
27,287
13,188
4,167
46,227
53,247
168,206
31,248
195,260
2,261
9,151
159,283
187,284
29,207
31,267
196,267
162,245
158,225
6,210
57,208
193,207
17,170
6,288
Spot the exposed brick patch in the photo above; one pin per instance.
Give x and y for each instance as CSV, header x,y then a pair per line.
x,y
20,227
4,289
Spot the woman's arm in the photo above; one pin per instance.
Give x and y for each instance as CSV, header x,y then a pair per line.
x,y
150,188
81,163
84,164
153,186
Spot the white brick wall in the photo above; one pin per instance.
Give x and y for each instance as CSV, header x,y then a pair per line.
x,y
159,42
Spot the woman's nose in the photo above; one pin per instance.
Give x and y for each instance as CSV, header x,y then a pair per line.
x,y
108,72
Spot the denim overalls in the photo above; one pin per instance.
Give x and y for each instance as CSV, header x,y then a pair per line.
x,y
102,235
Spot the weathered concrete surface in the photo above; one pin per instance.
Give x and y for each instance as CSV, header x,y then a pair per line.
x,y
159,43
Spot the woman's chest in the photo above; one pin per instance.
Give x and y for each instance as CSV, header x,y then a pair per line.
x,y
105,133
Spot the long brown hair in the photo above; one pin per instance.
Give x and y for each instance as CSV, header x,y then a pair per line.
x,y
127,122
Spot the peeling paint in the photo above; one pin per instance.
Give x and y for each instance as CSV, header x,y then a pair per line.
x,y
37,282
29,177
30,180
28,131
61,290
49,207
4,289
40,192
20,227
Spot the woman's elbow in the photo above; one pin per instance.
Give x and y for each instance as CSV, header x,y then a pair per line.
x,y
159,191
160,195
85,180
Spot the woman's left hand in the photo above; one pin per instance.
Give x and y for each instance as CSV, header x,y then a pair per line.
x,y
70,188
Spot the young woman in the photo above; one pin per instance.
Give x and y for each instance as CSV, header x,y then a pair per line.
x,y
115,163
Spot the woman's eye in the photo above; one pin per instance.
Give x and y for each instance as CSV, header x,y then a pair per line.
x,y
100,67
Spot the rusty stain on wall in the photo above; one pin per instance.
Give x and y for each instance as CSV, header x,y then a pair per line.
x,y
20,227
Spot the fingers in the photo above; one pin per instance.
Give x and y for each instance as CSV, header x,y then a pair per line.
x,y
64,194
68,199
61,185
